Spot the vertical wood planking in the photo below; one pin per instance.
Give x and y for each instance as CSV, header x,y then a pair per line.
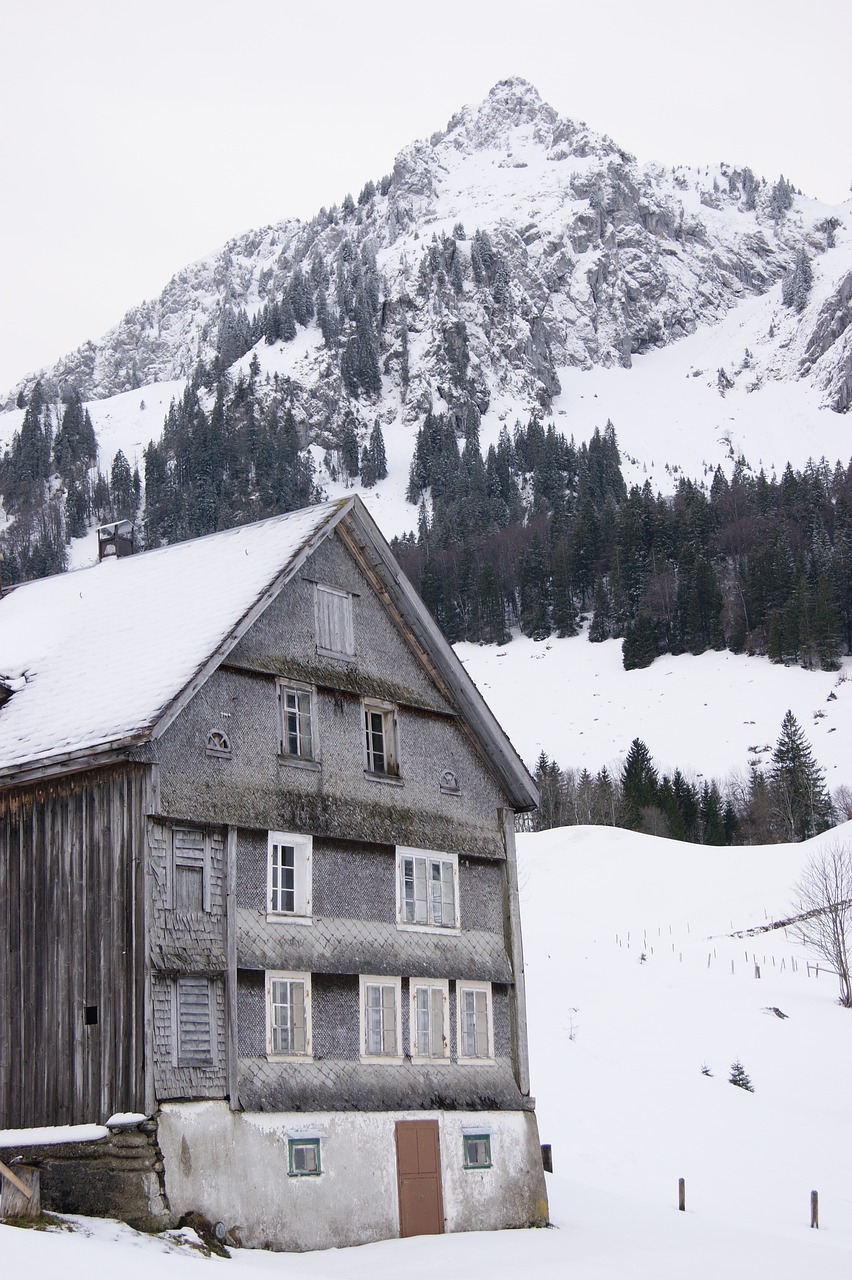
x,y
72,910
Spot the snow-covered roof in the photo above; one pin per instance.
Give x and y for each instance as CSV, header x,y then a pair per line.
x,y
105,657
96,657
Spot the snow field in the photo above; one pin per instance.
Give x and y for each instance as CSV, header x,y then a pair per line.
x,y
617,1045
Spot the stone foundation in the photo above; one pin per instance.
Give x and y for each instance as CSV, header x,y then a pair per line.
x,y
116,1177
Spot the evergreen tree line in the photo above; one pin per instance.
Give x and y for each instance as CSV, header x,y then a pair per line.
x,y
542,532
52,488
240,460
787,802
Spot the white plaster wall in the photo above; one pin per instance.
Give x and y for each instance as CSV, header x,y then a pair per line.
x,y
232,1167
512,1192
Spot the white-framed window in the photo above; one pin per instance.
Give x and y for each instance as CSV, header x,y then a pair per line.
x,y
427,885
289,860
335,633
380,1018
380,738
297,738
193,1022
288,1015
475,1029
429,1019
190,869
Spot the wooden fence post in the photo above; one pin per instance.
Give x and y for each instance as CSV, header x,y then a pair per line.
x,y
815,1209
681,1194
20,1192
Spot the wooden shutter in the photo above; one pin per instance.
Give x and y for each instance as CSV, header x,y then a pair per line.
x,y
194,1022
334,621
190,877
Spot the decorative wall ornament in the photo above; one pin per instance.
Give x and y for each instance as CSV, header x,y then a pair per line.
x,y
218,743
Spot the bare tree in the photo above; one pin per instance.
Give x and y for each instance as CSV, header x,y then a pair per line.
x,y
842,798
824,909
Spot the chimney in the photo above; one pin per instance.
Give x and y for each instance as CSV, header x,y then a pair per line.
x,y
115,539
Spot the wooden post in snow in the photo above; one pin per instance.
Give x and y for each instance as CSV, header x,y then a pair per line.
x,y
681,1194
20,1192
815,1209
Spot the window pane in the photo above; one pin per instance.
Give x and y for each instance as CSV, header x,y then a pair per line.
x,y
468,1027
477,1152
296,709
421,900
304,1157
283,877
437,1042
406,872
481,1024
373,1019
448,894
291,720
375,741
306,744
389,1020
423,1021
287,1016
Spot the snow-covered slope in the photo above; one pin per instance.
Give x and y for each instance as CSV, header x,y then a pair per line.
x,y
709,715
634,984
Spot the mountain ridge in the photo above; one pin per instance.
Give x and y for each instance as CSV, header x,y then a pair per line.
x,y
597,259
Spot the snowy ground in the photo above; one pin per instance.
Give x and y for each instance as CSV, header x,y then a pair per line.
x,y
617,1046
708,715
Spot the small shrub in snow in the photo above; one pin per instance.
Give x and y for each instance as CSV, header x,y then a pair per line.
x,y
739,1077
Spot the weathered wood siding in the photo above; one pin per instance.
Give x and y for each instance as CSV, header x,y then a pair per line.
x,y
71,930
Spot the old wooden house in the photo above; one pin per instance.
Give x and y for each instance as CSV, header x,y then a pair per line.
x,y
258,885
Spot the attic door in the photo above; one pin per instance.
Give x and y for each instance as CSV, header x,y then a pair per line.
x,y
418,1162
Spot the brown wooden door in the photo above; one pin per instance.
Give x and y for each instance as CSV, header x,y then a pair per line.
x,y
418,1163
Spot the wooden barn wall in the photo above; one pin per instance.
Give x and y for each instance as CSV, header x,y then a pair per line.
x,y
72,936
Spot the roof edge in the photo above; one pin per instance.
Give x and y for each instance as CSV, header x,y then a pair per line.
x,y
172,710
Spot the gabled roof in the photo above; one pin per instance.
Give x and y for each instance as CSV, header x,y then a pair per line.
x,y
104,658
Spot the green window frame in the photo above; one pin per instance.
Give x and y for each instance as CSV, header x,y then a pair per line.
x,y
477,1150
304,1157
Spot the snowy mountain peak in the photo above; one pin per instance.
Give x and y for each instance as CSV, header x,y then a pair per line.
x,y
510,105
588,259
513,118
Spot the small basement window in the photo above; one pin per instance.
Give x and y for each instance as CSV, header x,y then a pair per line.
x,y
477,1150
304,1157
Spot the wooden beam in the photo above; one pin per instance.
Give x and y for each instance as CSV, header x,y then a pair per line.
x,y
6,1172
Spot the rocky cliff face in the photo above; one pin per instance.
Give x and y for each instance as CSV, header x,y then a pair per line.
x,y
510,245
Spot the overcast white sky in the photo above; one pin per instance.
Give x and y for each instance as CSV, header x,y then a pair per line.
x,y
137,137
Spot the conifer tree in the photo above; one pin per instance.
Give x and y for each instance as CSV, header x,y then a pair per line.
x,y
377,452
639,648
639,783
800,801
349,456
535,591
740,1078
